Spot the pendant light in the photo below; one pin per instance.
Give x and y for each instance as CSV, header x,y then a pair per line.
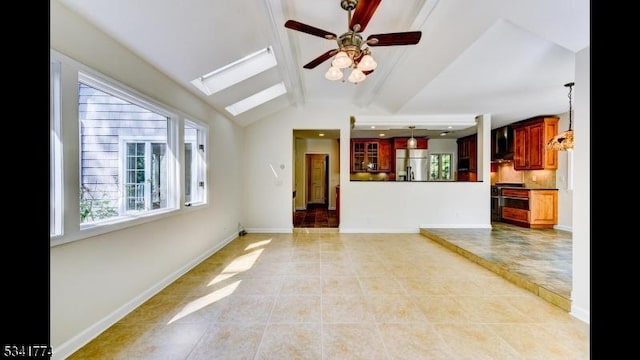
x,y
564,140
412,143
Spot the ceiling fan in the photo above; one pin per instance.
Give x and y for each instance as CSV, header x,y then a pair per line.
x,y
349,52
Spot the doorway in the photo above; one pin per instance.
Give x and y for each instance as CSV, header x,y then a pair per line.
x,y
316,159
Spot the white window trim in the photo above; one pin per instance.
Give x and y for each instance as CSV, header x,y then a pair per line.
x,y
450,166
55,160
72,231
202,139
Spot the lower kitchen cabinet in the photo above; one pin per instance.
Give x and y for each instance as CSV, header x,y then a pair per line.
x,y
533,208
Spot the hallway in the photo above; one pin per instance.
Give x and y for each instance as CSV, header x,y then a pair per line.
x,y
316,216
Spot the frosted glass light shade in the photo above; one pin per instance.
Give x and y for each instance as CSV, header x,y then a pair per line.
x,y
333,74
357,76
342,60
412,143
367,63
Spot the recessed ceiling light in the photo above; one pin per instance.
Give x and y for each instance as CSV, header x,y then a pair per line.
x,y
321,134
381,134
236,72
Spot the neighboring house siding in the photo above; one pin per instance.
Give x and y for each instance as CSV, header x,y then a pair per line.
x,y
105,121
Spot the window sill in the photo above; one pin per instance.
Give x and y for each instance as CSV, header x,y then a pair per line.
x,y
90,230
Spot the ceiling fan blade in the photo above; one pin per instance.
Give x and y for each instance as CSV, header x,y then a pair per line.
x,y
401,38
320,59
296,25
363,13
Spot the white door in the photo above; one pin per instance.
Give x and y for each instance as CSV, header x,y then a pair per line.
x,y
317,178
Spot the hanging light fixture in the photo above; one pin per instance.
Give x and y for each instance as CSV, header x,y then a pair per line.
x,y
412,143
334,73
357,76
360,61
564,140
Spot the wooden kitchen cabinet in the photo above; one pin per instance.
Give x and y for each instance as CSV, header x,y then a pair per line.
x,y
370,155
467,158
386,159
530,144
401,143
533,208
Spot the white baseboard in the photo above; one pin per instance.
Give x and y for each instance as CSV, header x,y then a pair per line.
x,y
69,347
563,227
580,314
379,231
270,230
455,226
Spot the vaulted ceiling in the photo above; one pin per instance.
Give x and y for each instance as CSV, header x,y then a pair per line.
x,y
506,58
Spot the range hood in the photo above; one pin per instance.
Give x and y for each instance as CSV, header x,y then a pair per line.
x,y
503,144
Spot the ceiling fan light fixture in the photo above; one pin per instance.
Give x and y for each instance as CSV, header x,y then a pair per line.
x,y
357,76
367,63
342,60
350,51
333,74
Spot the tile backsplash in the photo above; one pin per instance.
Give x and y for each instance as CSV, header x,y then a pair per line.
x,y
541,179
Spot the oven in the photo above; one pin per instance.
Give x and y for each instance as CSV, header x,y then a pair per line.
x,y
497,200
495,204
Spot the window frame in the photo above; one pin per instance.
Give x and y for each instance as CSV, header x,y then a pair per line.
x,y
439,155
201,162
69,211
120,91
55,152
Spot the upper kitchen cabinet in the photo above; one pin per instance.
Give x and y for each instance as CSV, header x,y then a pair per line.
x,y
385,157
370,155
401,143
530,143
467,158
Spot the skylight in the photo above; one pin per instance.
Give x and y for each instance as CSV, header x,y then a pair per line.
x,y
236,72
257,99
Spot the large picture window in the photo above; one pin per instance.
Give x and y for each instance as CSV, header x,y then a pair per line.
x,y
124,165
121,159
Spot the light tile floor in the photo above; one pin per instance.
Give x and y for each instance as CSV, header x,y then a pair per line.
x,y
341,296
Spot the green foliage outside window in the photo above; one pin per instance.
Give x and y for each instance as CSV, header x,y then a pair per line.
x,y
94,208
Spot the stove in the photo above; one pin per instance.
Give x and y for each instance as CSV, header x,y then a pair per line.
x,y
497,201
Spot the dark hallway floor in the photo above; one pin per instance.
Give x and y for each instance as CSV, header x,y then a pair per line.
x,y
316,216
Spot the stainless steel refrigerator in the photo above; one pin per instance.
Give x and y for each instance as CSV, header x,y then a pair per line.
x,y
412,165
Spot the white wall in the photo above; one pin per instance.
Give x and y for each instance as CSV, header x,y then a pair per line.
x,y
365,206
97,280
581,269
565,195
443,146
